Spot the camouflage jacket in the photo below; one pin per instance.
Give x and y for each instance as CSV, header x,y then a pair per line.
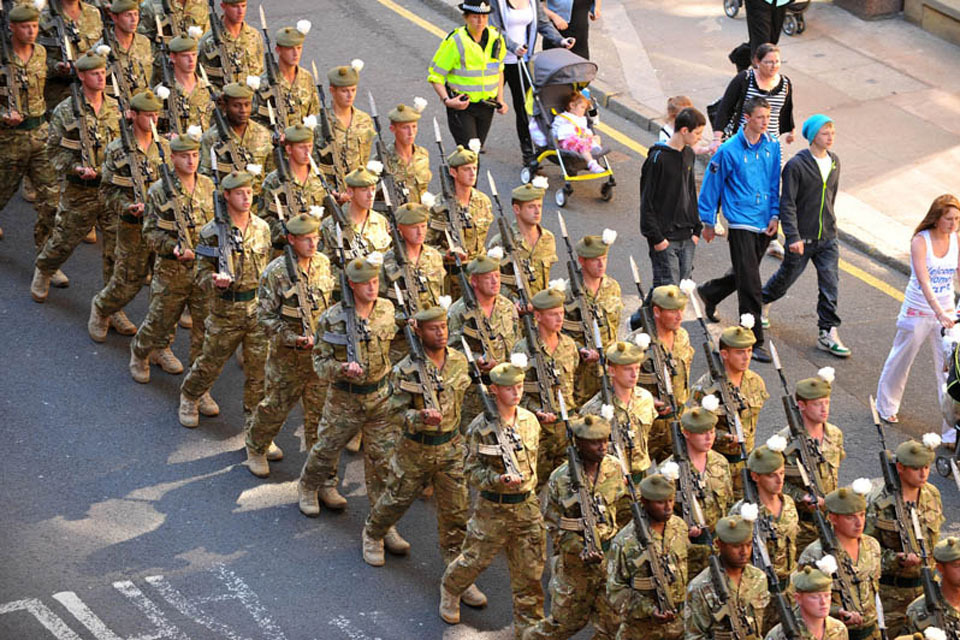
x,y
754,393
30,80
250,259
196,107
484,466
415,175
373,345
919,617
406,399
882,525
159,220
375,233
116,186
427,274
503,323
175,18
136,64
353,141
541,257
636,418
704,618
280,305
300,99
682,353
64,135
828,472
866,571
717,487
254,146
782,549
82,33
305,195
835,630
245,53
630,584
608,300
564,360
562,511
477,218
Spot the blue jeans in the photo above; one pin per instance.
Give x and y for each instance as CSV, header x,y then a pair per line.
x,y
825,255
673,264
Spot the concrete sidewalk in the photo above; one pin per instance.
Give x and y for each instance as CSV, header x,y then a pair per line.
x,y
893,90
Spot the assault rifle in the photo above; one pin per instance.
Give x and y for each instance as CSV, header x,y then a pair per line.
x,y
137,170
66,38
227,238
691,491
590,511
238,157
413,283
89,143
735,615
522,271
275,95
457,219
183,219
481,329
431,383
846,577
306,304
328,135
590,313
355,329
788,621
664,367
934,603
175,120
763,531
398,192
13,77
228,65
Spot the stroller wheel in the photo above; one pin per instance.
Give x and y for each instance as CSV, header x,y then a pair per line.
x,y
561,197
731,8
943,466
801,23
525,175
790,24
606,192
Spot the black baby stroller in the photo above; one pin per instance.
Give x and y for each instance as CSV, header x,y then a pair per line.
x,y
557,73
793,21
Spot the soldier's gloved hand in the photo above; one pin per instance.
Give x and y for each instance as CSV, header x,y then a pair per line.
x,y
665,617
544,416
135,209
511,480
305,342
431,417
184,255
486,365
13,118
351,369
694,532
589,355
908,559
851,618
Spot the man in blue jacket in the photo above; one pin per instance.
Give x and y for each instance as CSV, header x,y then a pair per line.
x,y
743,178
810,182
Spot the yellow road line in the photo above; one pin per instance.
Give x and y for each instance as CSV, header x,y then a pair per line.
x,y
633,145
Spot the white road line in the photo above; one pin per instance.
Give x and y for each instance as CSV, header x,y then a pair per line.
x,y
165,629
349,629
44,616
250,601
87,618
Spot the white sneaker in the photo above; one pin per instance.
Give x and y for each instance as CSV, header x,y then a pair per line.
x,y
765,315
775,249
829,341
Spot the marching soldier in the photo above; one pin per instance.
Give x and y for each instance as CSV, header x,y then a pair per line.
x,y
765,465
711,474
406,161
921,614
367,230
175,16
233,307
812,589
600,291
118,192
130,53
631,585
577,586
240,44
535,244
900,579
632,407
736,347
498,315
846,511
302,193
192,94
247,139
80,206
470,208
560,358
24,131
177,282
667,304
813,401
85,26
358,398
289,321
352,129
296,87
705,616
507,512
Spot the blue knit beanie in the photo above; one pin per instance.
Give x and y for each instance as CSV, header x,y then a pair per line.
x,y
813,124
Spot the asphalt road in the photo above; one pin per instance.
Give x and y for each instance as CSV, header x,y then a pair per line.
x,y
119,523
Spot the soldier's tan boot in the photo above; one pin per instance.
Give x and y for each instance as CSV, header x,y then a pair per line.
x,y
239,354
274,453
91,238
309,504
97,324
208,406
186,320
168,362
188,414
332,498
39,286
372,550
449,606
27,191
473,597
395,543
139,368
257,464
59,280
122,325
355,442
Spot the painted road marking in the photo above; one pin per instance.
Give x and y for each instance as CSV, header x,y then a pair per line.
x,y
51,621
632,144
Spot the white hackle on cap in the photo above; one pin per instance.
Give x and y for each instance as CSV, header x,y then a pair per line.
x,y
747,321
162,92
519,360
419,104
194,132
474,145
195,32
304,26
495,253
357,65
827,564
445,302
375,258
310,121
642,340
934,633
861,486
559,284
316,211
827,374
255,169
103,50
688,286
776,443
609,237
670,471
427,199
931,440
540,182
375,166
749,512
253,82
607,411
710,402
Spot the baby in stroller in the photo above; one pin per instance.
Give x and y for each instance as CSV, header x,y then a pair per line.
x,y
572,131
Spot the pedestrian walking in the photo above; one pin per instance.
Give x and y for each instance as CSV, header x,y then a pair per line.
x,y
928,306
764,24
572,18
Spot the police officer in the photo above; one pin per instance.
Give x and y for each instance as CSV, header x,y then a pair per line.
x,y
242,46
812,594
922,614
467,74
352,129
536,245
296,87
408,162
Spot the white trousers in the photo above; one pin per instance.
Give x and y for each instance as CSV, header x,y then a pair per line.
x,y
912,331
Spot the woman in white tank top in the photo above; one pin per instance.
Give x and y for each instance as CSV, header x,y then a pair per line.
x,y
928,306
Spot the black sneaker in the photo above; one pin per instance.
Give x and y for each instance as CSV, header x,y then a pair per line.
x,y
760,354
709,309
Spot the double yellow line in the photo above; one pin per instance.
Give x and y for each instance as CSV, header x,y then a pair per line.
x,y
633,145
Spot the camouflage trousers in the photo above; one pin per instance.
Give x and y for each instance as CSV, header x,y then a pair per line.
x,y
289,377
518,530
895,602
80,208
472,407
344,414
174,286
551,452
659,442
229,325
132,263
633,628
578,595
414,466
25,153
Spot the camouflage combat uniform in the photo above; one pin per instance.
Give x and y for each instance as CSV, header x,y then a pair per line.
x,y
427,273
23,148
245,52
504,518
254,146
175,284
133,256
353,141
301,99
835,630
415,176
375,233
196,107
136,64
80,206
305,195
176,17
577,590
899,586
427,455
233,319
867,573
705,619
630,584
479,216
919,618
88,29
354,404
541,257
289,374
610,304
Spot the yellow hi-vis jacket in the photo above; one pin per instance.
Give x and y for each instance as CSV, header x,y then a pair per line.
x,y
465,67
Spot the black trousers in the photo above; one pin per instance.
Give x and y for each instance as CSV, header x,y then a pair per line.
x,y
472,122
764,23
512,75
746,251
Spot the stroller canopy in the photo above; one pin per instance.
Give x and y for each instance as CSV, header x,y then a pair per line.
x,y
561,66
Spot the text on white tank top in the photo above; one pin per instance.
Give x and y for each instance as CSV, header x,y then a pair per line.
x,y
942,272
